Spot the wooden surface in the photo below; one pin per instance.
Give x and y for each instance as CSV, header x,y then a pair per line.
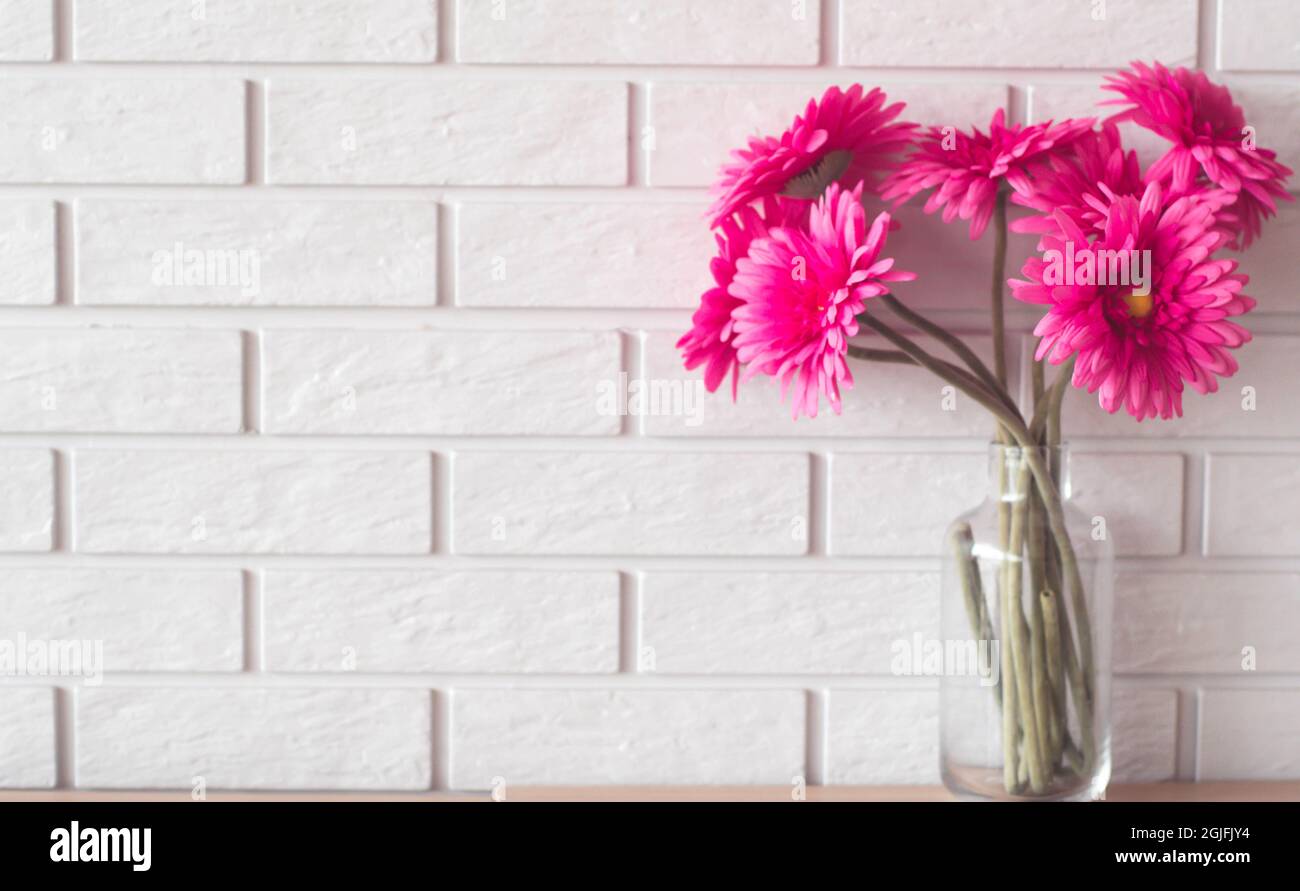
x,y
1268,791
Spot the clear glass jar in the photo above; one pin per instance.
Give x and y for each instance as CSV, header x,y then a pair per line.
x,y
1026,619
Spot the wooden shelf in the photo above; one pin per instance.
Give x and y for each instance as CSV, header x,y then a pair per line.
x,y
1225,791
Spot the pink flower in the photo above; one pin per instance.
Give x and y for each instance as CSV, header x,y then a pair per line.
x,y
1136,350
709,342
965,170
800,291
841,138
1081,179
1209,135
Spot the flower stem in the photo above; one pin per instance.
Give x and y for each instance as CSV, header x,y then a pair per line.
x,y
1081,674
999,273
963,550
1032,723
872,355
951,341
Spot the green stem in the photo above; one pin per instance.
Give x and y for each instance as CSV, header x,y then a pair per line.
x,y
1031,721
872,355
951,341
1010,701
963,550
1016,427
999,274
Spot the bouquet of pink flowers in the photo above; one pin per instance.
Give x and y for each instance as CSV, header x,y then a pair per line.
x,y
1139,302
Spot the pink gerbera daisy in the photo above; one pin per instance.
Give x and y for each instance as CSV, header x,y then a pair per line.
x,y
800,291
1209,135
1136,350
843,137
1081,180
965,170
709,342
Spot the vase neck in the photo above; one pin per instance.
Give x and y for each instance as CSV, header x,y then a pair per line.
x,y
1010,469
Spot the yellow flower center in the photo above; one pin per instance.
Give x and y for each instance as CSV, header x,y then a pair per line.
x,y
1139,305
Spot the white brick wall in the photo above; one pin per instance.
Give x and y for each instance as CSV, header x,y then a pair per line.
x,y
309,253
360,521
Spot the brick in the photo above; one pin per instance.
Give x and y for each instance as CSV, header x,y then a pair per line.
x,y
1249,735
121,380
1249,502
1140,495
100,130
563,622
582,255
1271,110
883,737
26,31
886,400
26,500
894,504
629,503
1201,622
248,738
581,737
1273,265
1017,33
696,125
643,32
27,253
230,502
1267,366
784,622
1259,35
445,382
27,738
405,132
1144,735
272,253
233,31
147,620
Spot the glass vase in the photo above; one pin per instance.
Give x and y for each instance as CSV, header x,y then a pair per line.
x,y
1026,599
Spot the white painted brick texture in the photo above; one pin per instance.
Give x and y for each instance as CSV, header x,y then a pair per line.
x,y
117,130
410,132
146,619
475,622
669,503
26,500
446,382
121,380
585,737
235,502
27,743
248,31
1017,33
579,255
309,319
602,32
240,738
26,30
284,253
1249,735
27,262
